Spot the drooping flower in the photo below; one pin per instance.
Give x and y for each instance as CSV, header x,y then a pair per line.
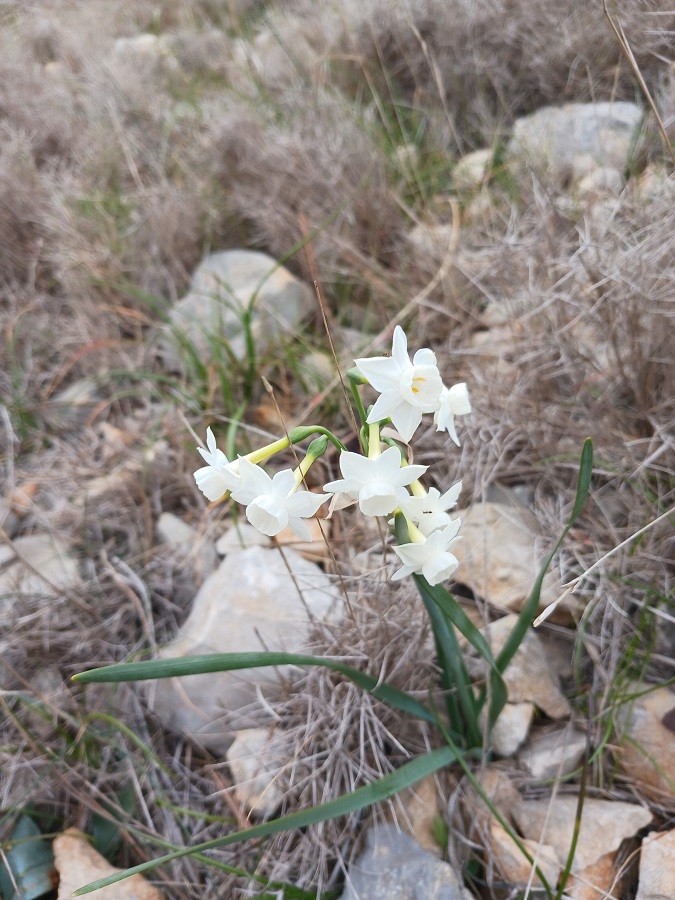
x,y
379,483
453,401
219,475
407,389
275,503
430,512
430,558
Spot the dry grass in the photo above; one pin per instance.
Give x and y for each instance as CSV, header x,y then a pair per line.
x,y
254,126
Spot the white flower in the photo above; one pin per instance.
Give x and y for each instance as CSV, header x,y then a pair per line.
x,y
430,512
430,558
454,401
379,483
273,504
219,475
407,389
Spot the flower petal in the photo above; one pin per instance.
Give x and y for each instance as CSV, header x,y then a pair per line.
x,y
381,372
406,419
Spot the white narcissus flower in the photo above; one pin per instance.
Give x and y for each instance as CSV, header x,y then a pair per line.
x,y
430,558
453,401
430,512
379,483
219,475
407,389
273,504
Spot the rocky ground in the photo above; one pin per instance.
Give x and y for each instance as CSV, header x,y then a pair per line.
x,y
508,198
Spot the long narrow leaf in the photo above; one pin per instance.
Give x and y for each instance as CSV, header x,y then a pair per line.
x,y
380,790
226,662
529,610
454,612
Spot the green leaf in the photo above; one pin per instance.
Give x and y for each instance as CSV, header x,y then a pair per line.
x,y
529,611
28,863
226,662
380,790
454,612
106,831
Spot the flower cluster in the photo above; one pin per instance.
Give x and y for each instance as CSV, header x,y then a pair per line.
x,y
380,480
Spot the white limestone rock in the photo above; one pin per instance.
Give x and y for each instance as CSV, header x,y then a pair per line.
x,y
252,602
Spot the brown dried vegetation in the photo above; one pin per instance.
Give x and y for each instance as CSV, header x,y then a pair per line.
x,y
262,126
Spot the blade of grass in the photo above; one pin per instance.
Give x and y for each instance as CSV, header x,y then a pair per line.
x,y
528,612
385,787
226,662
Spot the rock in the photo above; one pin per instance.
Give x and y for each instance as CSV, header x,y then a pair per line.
x,y
223,287
554,753
240,536
73,406
514,867
601,182
419,814
647,745
497,555
528,676
78,864
654,182
596,881
604,825
393,865
21,498
188,542
251,602
254,761
146,49
499,789
519,495
511,728
657,867
472,170
555,137
37,564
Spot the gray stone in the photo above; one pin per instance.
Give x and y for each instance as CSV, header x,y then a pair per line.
x,y
554,753
555,137
74,405
604,825
657,866
239,537
498,555
472,170
251,602
255,761
392,865
186,540
646,743
602,182
223,287
511,728
37,564
528,676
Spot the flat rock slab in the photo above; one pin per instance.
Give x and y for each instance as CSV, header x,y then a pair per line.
x,y
557,137
392,865
498,557
554,753
36,564
647,752
528,677
255,760
252,602
223,287
657,866
78,864
604,825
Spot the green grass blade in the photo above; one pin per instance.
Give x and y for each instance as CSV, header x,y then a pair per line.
x,y
529,610
454,612
226,662
380,790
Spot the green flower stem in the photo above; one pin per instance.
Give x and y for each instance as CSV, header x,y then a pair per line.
x,y
316,449
358,402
